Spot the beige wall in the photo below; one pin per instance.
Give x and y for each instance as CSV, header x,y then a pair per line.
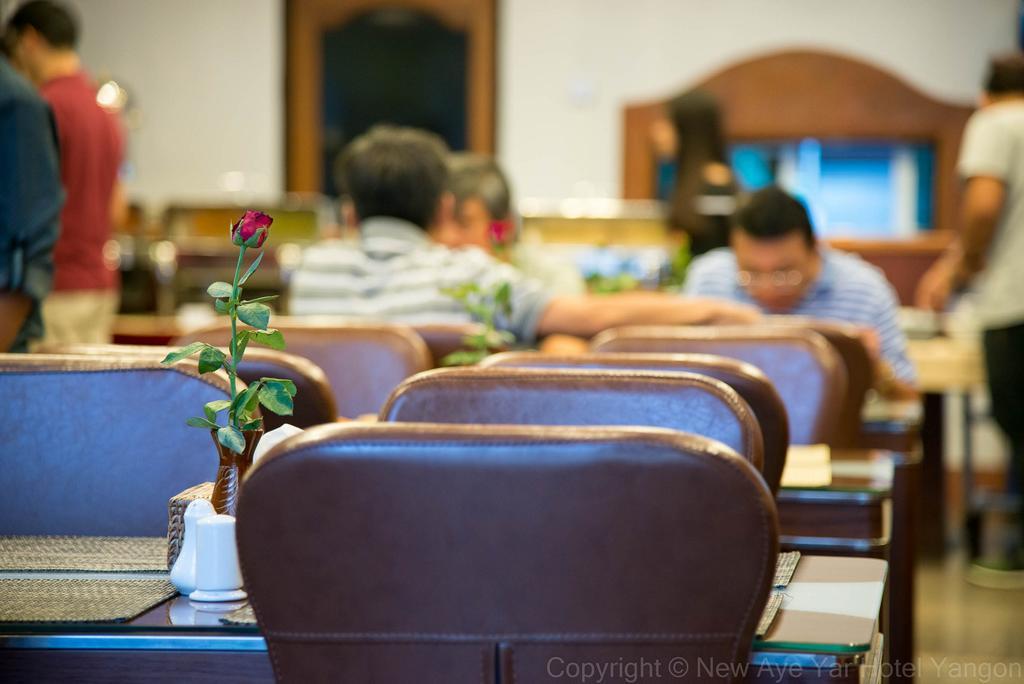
x,y
207,74
568,66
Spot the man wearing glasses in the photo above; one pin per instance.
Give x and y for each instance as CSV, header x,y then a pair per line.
x,y
776,263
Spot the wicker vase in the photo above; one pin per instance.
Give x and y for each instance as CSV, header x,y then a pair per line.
x,y
230,472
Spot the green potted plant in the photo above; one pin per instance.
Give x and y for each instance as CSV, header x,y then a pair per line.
x,y
484,305
242,427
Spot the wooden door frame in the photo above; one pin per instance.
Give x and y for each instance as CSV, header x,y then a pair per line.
x,y
306,21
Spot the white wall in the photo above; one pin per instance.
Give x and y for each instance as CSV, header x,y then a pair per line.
x,y
567,67
207,77
207,74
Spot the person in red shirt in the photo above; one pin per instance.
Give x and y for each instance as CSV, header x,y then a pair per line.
x,y
85,297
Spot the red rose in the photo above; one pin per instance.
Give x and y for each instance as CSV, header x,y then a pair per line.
x,y
500,232
251,223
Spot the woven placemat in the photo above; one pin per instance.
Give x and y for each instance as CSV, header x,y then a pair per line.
x,y
771,609
83,554
79,600
242,616
785,566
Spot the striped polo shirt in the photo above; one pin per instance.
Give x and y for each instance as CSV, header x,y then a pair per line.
x,y
395,273
848,289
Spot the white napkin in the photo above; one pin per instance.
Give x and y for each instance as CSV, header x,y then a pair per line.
x,y
273,438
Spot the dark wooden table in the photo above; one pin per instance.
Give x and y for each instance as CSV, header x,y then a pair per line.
x,y
869,510
826,631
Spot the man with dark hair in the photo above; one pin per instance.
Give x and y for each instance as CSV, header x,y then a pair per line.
x,y
989,253
392,176
771,213
42,36
397,172
30,201
776,263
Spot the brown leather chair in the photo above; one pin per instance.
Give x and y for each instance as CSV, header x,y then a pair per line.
x,y
525,396
97,446
363,361
846,339
748,381
804,368
314,399
457,553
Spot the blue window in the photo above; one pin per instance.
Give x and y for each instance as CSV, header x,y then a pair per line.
x,y
866,189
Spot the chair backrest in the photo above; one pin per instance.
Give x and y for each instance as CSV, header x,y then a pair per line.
x,y
97,446
314,399
526,396
456,553
363,361
805,369
846,339
749,382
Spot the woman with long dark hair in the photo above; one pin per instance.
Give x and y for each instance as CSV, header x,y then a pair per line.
x,y
703,197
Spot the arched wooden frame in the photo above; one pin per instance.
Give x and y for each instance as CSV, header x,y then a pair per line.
x,y
795,94
308,19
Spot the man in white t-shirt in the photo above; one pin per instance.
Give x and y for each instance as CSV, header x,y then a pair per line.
x,y
989,254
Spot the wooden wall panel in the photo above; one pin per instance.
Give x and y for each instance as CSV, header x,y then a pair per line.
x,y
800,93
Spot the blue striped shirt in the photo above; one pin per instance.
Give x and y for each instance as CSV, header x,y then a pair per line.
x,y
848,289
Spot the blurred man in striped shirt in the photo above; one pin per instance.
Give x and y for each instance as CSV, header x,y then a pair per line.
x,y
776,264
395,179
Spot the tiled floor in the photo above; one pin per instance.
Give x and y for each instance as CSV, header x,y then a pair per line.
x,y
966,633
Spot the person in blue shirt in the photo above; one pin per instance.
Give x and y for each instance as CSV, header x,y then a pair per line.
x,y
776,263
30,202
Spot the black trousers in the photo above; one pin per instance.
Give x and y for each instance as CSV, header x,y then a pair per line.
x,y
1004,362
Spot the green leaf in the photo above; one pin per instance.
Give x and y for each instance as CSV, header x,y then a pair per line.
x,y
464,358
219,289
213,407
246,411
276,399
461,292
221,306
252,402
242,338
266,298
479,312
241,348
503,298
256,315
476,340
503,294
252,268
271,338
232,438
184,352
288,385
496,339
254,425
243,397
211,359
202,423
